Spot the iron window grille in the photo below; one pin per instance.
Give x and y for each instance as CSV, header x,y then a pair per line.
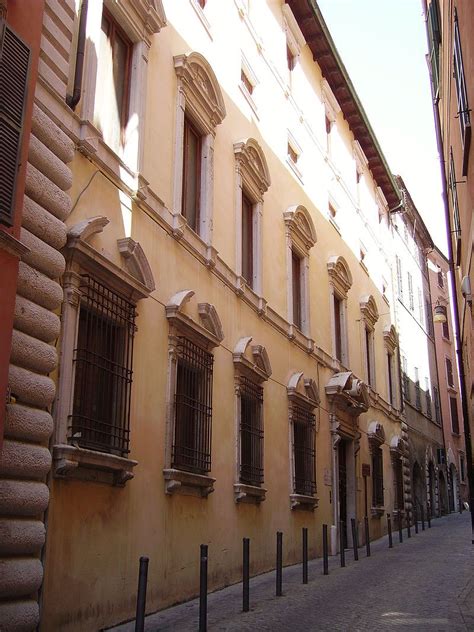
x,y
191,448
461,91
455,205
103,359
251,432
304,428
428,405
449,373
377,477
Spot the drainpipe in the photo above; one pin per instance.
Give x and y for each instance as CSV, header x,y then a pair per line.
x,y
73,100
457,329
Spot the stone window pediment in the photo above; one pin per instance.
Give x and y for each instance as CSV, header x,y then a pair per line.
x,y
303,390
251,360
375,434
397,447
339,274
294,37
348,393
252,167
368,308
331,104
140,19
301,226
204,328
204,100
390,338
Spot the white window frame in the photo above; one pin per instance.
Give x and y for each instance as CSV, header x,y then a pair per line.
x,y
140,21
391,348
340,282
252,362
253,180
199,97
205,330
300,236
133,280
301,391
369,316
295,39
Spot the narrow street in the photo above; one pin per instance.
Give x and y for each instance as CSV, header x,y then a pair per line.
x,y
425,583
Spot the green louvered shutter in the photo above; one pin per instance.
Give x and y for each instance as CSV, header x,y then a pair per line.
x,y
434,33
14,74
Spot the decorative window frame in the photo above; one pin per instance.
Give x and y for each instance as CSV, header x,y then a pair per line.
x,y
135,281
140,21
199,97
251,362
246,69
300,236
391,343
302,392
205,331
340,282
376,438
202,16
293,164
331,109
295,39
369,317
252,177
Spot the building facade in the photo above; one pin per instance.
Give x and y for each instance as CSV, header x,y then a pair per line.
x,y
207,331
449,397
449,31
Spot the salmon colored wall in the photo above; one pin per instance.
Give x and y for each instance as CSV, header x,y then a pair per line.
x,y
25,17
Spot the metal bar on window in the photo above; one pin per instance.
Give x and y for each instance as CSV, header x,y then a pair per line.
x,y
103,357
304,427
251,432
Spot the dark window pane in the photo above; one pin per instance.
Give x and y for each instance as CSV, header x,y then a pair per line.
x,y
377,478
296,283
103,370
251,433
193,409
247,240
191,175
454,414
337,327
304,451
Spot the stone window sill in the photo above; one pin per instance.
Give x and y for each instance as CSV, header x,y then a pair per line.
x,y
249,493
303,502
70,461
188,483
377,512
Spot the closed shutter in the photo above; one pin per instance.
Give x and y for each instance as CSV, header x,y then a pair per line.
x,y
14,73
434,34
461,90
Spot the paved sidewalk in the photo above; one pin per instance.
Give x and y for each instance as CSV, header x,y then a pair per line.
x,y
424,584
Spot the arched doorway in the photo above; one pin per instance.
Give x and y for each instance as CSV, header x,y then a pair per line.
x,y
443,494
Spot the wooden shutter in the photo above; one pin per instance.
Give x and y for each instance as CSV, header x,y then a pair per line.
x,y
434,34
14,74
461,90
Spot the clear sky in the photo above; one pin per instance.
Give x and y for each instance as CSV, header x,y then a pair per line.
x,y
383,46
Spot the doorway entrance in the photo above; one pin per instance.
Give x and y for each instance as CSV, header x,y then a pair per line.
x,y
342,450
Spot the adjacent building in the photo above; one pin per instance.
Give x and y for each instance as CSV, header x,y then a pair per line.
x,y
209,327
450,27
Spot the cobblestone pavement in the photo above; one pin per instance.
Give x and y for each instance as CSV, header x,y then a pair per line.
x,y
425,583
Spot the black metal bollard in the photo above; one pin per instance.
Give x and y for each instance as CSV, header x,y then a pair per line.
x,y
408,525
399,520
305,555
203,590
141,594
389,529
355,544
342,538
245,574
422,518
367,536
415,517
428,517
325,550
460,505
279,565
